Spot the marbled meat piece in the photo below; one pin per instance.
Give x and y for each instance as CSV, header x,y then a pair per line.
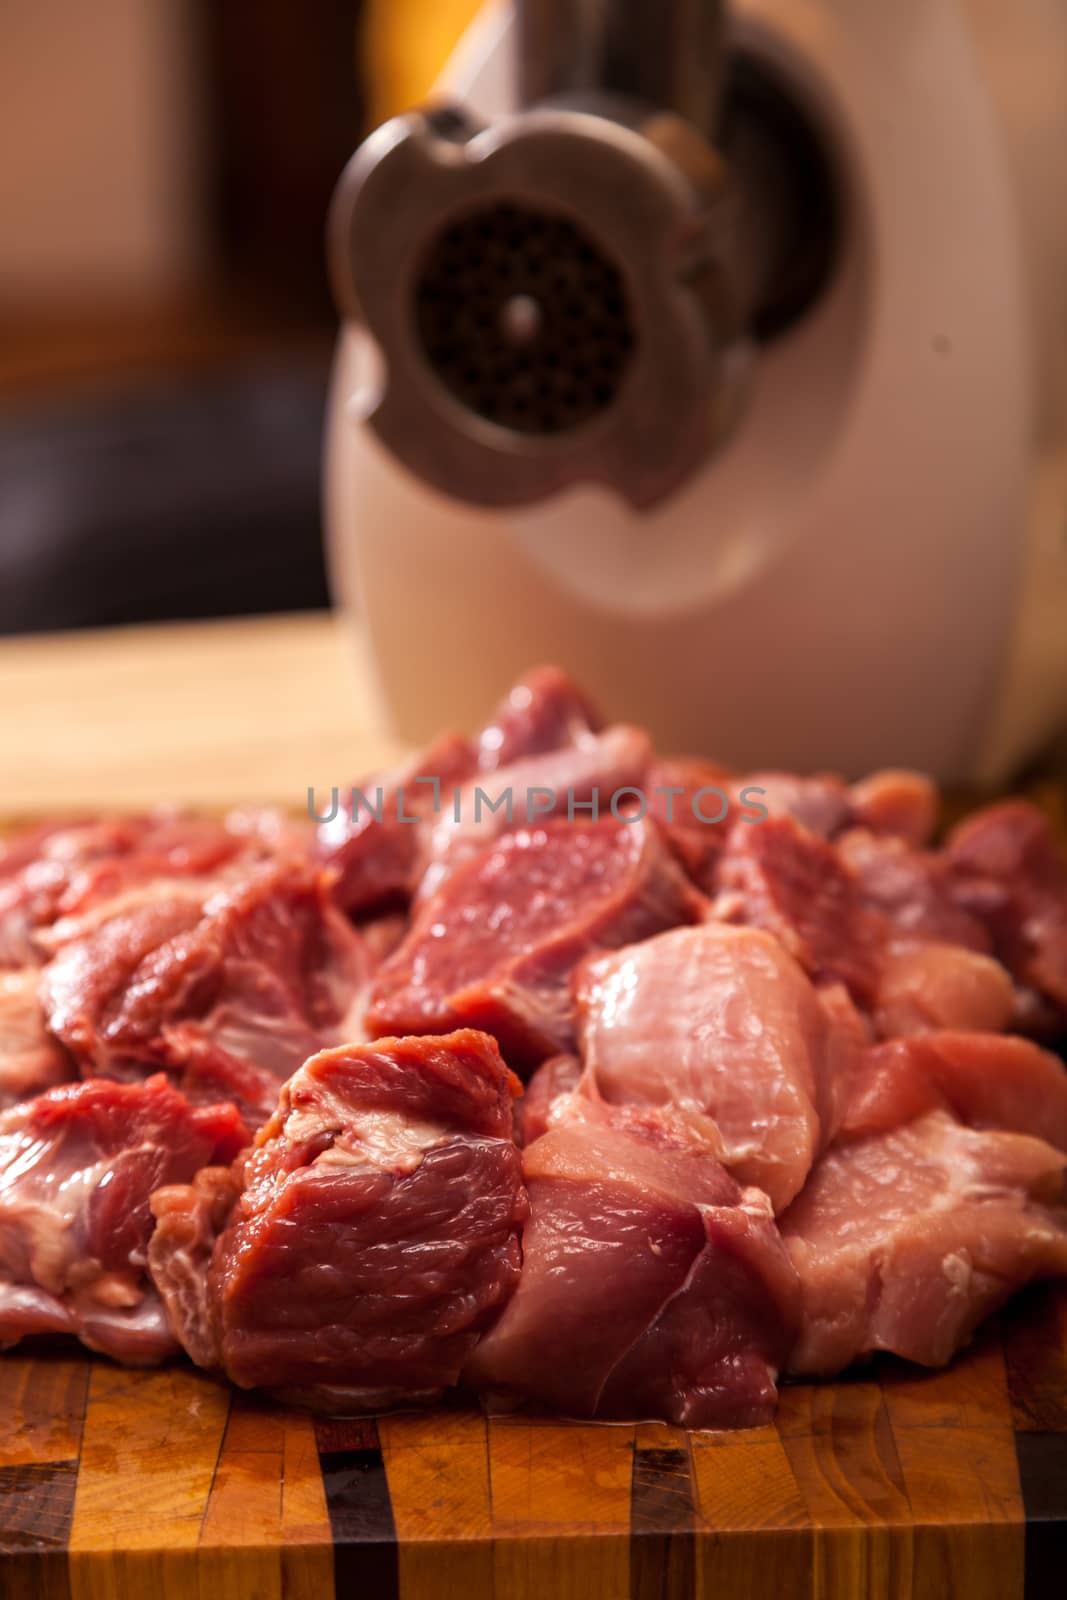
x,y
779,876
64,871
377,844
579,781
77,1167
375,1234
231,992
494,949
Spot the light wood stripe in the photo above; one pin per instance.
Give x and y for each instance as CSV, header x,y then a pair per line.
x,y
840,1446
956,1447
561,1509
753,1533
148,1457
438,1470
971,1393
42,1407
267,1494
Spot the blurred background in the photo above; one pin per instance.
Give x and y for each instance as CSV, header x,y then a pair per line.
x,y
165,321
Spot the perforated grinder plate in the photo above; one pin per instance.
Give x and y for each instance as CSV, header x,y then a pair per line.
x,y
523,318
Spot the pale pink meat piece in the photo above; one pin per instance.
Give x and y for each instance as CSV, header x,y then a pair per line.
x,y
932,985
652,1285
375,1235
818,803
985,1080
494,949
896,802
904,1241
720,1021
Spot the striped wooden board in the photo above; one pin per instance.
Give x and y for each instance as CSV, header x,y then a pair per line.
x,y
118,1485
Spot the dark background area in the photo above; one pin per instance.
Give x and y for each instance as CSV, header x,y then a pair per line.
x,y
165,321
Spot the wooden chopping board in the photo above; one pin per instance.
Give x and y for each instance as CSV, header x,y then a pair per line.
x,y
121,1485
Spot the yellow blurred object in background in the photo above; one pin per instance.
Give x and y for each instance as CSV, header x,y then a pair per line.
x,y
405,44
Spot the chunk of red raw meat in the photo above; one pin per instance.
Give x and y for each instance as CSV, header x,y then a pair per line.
x,y
31,1060
685,799
778,876
376,1233
652,1285
985,1080
376,845
545,710
494,949
70,869
77,1167
722,1022
578,781
1010,873
232,991
554,1078
914,890
906,1240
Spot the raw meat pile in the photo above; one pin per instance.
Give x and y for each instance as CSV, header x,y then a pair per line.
x,y
790,1092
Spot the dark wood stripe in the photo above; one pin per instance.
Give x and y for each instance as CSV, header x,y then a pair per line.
x,y
662,1522
361,1513
1043,1475
36,1506
1034,1334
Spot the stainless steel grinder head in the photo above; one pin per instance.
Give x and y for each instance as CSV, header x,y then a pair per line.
x,y
565,294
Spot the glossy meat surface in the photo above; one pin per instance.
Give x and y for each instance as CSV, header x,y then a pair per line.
x,y
232,991
495,948
652,1285
77,1168
375,1234
31,1060
720,1021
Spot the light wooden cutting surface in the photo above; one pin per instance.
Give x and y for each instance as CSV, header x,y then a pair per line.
x,y
212,713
